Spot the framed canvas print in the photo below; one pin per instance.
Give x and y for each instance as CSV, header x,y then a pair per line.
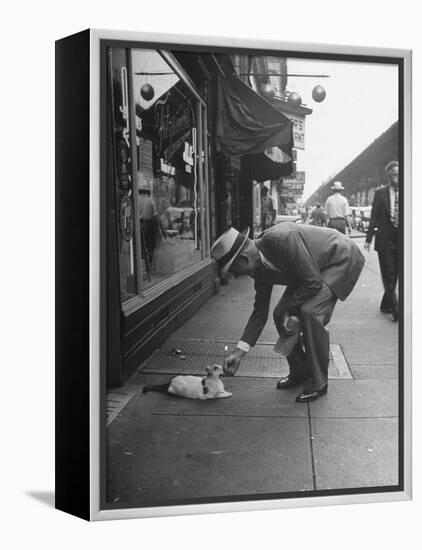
x,y
233,300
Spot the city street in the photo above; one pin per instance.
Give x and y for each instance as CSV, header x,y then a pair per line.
x,y
163,449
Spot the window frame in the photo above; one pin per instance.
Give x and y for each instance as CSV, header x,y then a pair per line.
x,y
145,296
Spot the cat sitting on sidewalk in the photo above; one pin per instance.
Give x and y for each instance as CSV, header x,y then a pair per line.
x,y
194,387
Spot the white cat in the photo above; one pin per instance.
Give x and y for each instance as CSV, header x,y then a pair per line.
x,y
194,387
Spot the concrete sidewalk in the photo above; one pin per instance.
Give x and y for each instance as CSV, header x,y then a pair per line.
x,y
163,449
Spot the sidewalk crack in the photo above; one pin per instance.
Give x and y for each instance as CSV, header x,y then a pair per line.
x,y
311,444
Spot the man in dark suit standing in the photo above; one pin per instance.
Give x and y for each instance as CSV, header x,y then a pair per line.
x,y
318,266
385,218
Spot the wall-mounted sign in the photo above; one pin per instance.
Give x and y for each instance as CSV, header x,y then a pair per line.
x,y
126,217
298,130
292,187
298,179
123,159
188,157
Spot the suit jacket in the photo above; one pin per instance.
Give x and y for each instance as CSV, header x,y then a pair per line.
x,y
386,235
318,217
306,256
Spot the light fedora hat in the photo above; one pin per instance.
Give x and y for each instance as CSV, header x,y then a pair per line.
x,y
337,186
227,247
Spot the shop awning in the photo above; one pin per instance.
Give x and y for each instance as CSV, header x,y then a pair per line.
x,y
261,168
248,126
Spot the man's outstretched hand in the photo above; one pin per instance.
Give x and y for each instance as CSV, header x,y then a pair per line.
x,y
232,362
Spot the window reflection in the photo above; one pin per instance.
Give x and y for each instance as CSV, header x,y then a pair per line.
x,y
167,179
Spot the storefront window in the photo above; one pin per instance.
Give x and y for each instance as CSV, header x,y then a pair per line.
x,y
157,165
169,184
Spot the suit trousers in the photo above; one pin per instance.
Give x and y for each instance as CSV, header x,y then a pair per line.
x,y
309,359
337,223
147,240
389,267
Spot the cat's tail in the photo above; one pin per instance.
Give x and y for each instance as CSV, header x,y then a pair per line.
x,y
156,387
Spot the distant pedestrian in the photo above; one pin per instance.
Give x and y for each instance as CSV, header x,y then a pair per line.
x,y
149,224
318,266
318,216
385,219
337,209
308,213
268,213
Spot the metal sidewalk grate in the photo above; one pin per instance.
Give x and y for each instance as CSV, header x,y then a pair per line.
x,y
260,362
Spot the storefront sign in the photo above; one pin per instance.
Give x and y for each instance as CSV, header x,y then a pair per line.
x,y
296,187
298,180
292,188
126,218
298,130
124,108
188,157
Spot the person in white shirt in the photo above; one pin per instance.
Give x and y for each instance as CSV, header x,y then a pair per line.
x,y
337,209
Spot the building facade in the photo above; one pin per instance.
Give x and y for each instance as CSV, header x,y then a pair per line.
x,y
174,180
159,269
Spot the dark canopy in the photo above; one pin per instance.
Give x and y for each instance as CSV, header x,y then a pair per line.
x,y
247,123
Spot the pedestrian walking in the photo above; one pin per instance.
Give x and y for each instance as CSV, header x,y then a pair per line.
x,y
149,225
385,219
318,216
318,266
268,212
337,209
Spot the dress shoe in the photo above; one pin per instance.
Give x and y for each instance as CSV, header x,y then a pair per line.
x,y
289,382
395,314
306,396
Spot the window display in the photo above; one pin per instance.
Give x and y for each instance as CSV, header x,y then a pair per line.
x,y
167,179
161,186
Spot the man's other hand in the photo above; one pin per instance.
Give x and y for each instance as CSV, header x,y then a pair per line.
x,y
288,328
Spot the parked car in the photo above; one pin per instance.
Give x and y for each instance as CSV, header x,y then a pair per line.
x,y
178,218
355,217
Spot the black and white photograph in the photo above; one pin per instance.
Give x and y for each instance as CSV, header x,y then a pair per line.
x,y
210,276
253,253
